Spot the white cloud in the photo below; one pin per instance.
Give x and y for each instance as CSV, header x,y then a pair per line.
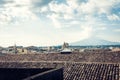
x,y
113,17
4,19
74,10
117,30
102,28
44,9
70,14
79,11
16,11
55,20
96,6
87,8
61,11
86,32
21,10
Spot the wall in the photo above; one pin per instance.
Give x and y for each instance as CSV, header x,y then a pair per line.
x,y
22,73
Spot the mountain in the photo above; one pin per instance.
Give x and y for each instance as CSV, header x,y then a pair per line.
x,y
93,41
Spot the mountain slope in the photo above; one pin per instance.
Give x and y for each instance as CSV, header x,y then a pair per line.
x,y
94,41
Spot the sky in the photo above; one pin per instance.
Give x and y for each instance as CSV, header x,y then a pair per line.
x,y
52,22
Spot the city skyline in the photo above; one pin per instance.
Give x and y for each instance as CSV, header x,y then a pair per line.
x,y
52,22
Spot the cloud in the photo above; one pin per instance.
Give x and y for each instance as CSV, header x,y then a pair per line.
x,y
113,17
2,2
78,10
101,28
87,31
64,13
98,7
12,11
39,3
55,20
117,30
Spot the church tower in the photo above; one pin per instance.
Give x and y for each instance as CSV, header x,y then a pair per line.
x,y
15,49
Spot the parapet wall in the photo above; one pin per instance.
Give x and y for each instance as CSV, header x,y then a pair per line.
x,y
54,74
31,74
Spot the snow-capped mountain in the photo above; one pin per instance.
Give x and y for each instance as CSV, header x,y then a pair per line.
x,y
93,41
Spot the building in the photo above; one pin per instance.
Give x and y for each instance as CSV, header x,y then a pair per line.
x,y
65,45
22,50
17,50
66,51
12,49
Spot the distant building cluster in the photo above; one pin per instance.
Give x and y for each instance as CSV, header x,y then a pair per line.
x,y
63,49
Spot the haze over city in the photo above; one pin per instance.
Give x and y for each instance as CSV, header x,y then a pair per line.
x,y
52,22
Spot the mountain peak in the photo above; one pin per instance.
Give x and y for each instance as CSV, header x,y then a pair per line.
x,y
94,41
